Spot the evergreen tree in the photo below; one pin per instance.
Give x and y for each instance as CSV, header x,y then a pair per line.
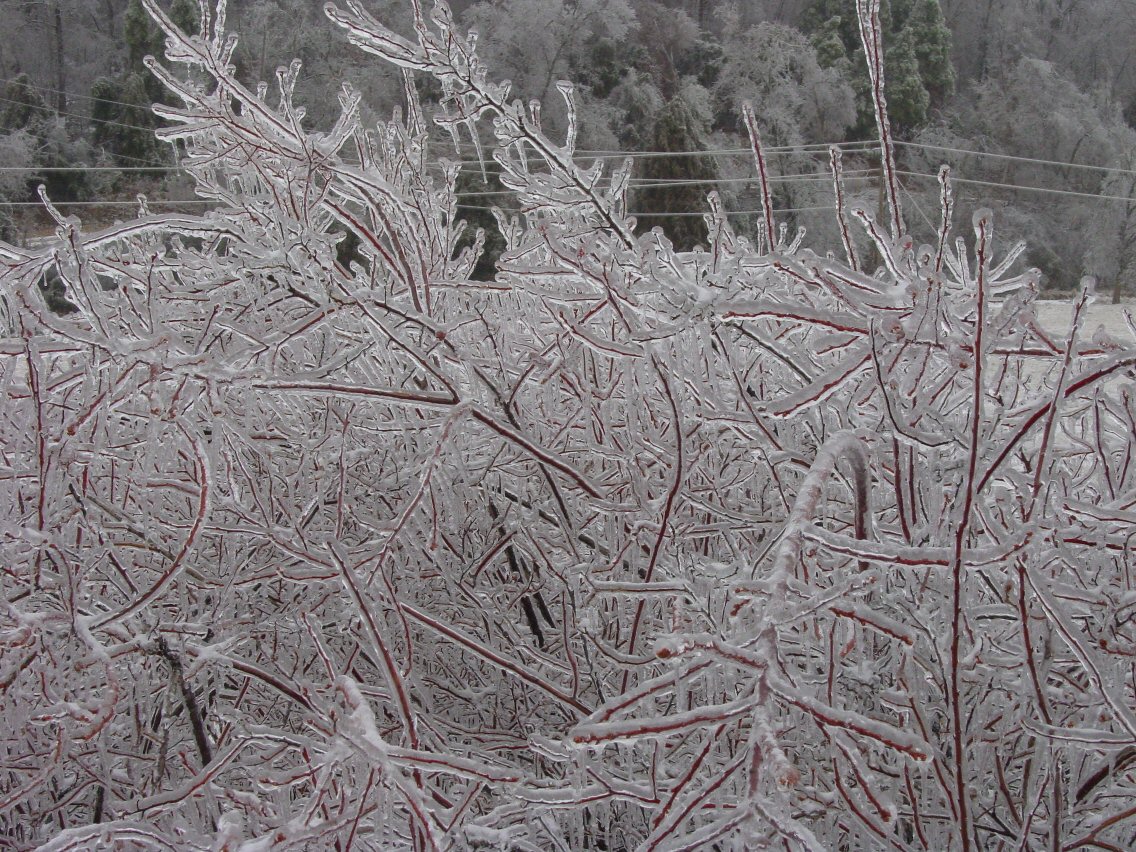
x,y
142,37
122,105
932,41
637,100
26,110
829,44
186,16
676,129
907,97
123,119
17,153
917,57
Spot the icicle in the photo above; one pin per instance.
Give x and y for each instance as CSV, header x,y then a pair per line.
x,y
620,178
471,123
225,53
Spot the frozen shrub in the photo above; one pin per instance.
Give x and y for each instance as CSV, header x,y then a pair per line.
x,y
625,548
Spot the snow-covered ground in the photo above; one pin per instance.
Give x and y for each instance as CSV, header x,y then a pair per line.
x,y
1056,315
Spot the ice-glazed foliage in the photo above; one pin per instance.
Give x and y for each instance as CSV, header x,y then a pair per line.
x,y
628,548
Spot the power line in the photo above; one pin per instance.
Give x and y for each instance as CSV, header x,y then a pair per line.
x,y
53,169
649,183
664,183
1041,189
818,148
146,162
858,147
149,203
54,111
36,88
859,175
644,214
918,207
823,147
601,153
1017,159
494,193
804,147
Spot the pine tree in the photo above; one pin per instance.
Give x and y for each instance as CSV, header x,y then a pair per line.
x,y
123,119
908,99
917,51
127,99
186,15
26,110
22,104
932,43
829,45
676,129
140,34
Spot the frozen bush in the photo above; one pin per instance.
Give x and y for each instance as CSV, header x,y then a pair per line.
x,y
626,548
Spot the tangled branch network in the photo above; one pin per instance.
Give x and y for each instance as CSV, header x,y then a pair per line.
x,y
746,547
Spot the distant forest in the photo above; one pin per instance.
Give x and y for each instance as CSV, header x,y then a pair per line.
x,y
1031,102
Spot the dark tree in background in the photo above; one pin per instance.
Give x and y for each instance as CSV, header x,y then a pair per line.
x,y
141,36
25,110
122,117
917,54
676,129
122,120
144,39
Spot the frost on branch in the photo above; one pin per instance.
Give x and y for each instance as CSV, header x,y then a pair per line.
x,y
628,548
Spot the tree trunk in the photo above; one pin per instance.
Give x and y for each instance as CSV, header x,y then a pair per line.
x,y
60,77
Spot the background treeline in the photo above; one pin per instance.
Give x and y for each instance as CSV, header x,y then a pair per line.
x,y
1030,101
